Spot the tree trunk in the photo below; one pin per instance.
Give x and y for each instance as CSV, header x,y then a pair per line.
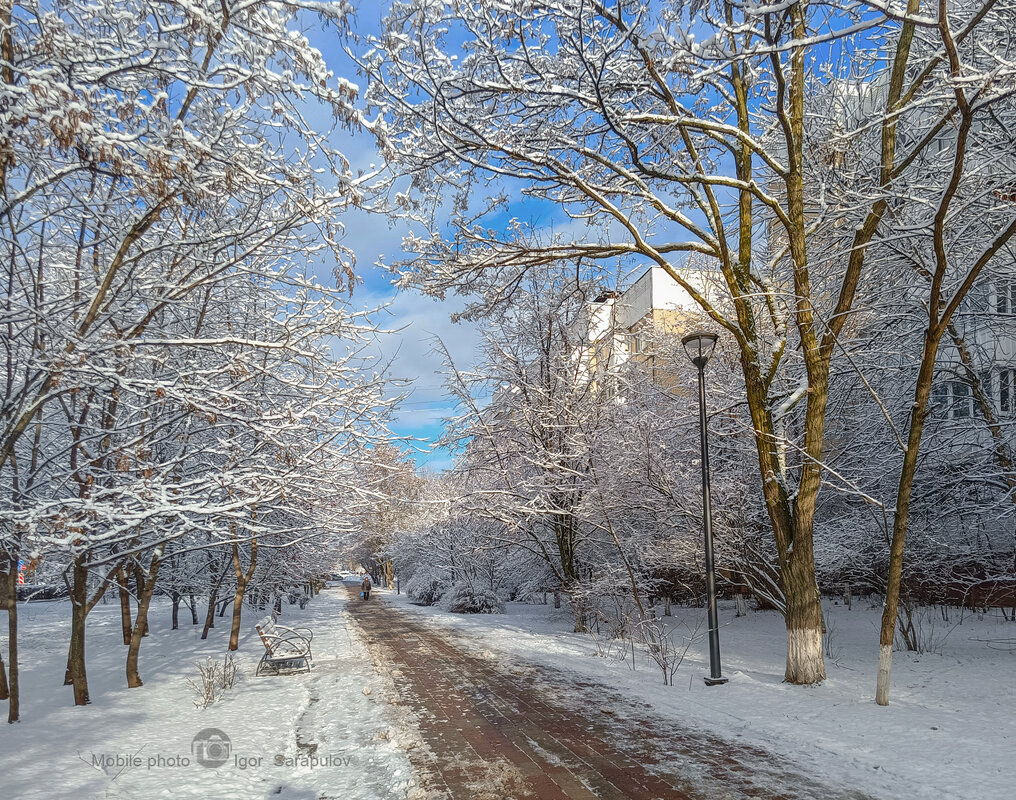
x,y
580,610
5,691
214,582
193,609
76,673
13,692
210,616
803,620
234,632
139,585
125,605
176,611
793,520
141,623
901,518
242,579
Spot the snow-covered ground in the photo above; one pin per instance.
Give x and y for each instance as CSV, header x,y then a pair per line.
x,y
948,733
328,733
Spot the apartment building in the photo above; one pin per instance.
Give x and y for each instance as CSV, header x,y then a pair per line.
x,y
619,325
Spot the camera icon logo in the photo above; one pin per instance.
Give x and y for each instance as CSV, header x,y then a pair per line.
x,y
211,748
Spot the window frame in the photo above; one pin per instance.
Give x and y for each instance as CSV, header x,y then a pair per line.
x,y
1007,391
955,405
1005,295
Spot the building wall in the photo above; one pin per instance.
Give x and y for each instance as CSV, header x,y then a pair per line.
x,y
617,324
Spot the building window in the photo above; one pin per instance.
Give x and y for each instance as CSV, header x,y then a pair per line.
x,y
1006,390
638,344
954,399
1005,296
962,400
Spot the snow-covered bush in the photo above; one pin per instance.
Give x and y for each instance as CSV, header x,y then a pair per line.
x,y
466,599
213,680
427,586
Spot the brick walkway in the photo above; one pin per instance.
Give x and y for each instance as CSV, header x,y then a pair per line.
x,y
493,735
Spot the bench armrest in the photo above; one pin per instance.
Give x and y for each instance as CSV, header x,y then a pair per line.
x,y
305,633
281,645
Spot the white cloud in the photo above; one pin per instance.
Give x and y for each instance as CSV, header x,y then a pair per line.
x,y
409,349
416,323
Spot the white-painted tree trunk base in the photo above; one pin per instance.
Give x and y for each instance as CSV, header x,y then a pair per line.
x,y
885,668
804,656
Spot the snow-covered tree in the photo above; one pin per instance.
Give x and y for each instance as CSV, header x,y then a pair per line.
x,y
177,376
665,130
391,487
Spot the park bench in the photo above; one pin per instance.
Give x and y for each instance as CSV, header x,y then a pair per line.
x,y
285,648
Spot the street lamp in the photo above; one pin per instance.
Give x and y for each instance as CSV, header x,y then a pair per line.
x,y
699,347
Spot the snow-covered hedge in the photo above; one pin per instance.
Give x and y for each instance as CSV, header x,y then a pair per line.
x,y
466,599
427,586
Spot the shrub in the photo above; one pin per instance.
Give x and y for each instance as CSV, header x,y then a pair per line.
x,y
426,586
466,599
213,680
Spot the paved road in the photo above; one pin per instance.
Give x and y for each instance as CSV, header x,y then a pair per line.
x,y
510,731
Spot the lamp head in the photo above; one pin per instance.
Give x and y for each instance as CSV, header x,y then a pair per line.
x,y
699,347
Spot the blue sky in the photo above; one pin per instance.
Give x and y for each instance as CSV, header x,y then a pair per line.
x,y
414,321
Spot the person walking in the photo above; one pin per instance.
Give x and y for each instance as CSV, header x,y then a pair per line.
x,y
365,587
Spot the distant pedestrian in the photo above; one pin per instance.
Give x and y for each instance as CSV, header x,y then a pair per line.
x,y
365,588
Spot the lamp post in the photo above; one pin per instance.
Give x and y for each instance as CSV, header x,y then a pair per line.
x,y
699,347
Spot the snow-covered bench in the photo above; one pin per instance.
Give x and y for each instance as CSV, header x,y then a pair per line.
x,y
285,648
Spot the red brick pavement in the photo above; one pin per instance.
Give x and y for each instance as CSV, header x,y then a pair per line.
x,y
494,735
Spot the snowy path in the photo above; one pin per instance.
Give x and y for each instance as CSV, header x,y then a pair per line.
x,y
499,731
